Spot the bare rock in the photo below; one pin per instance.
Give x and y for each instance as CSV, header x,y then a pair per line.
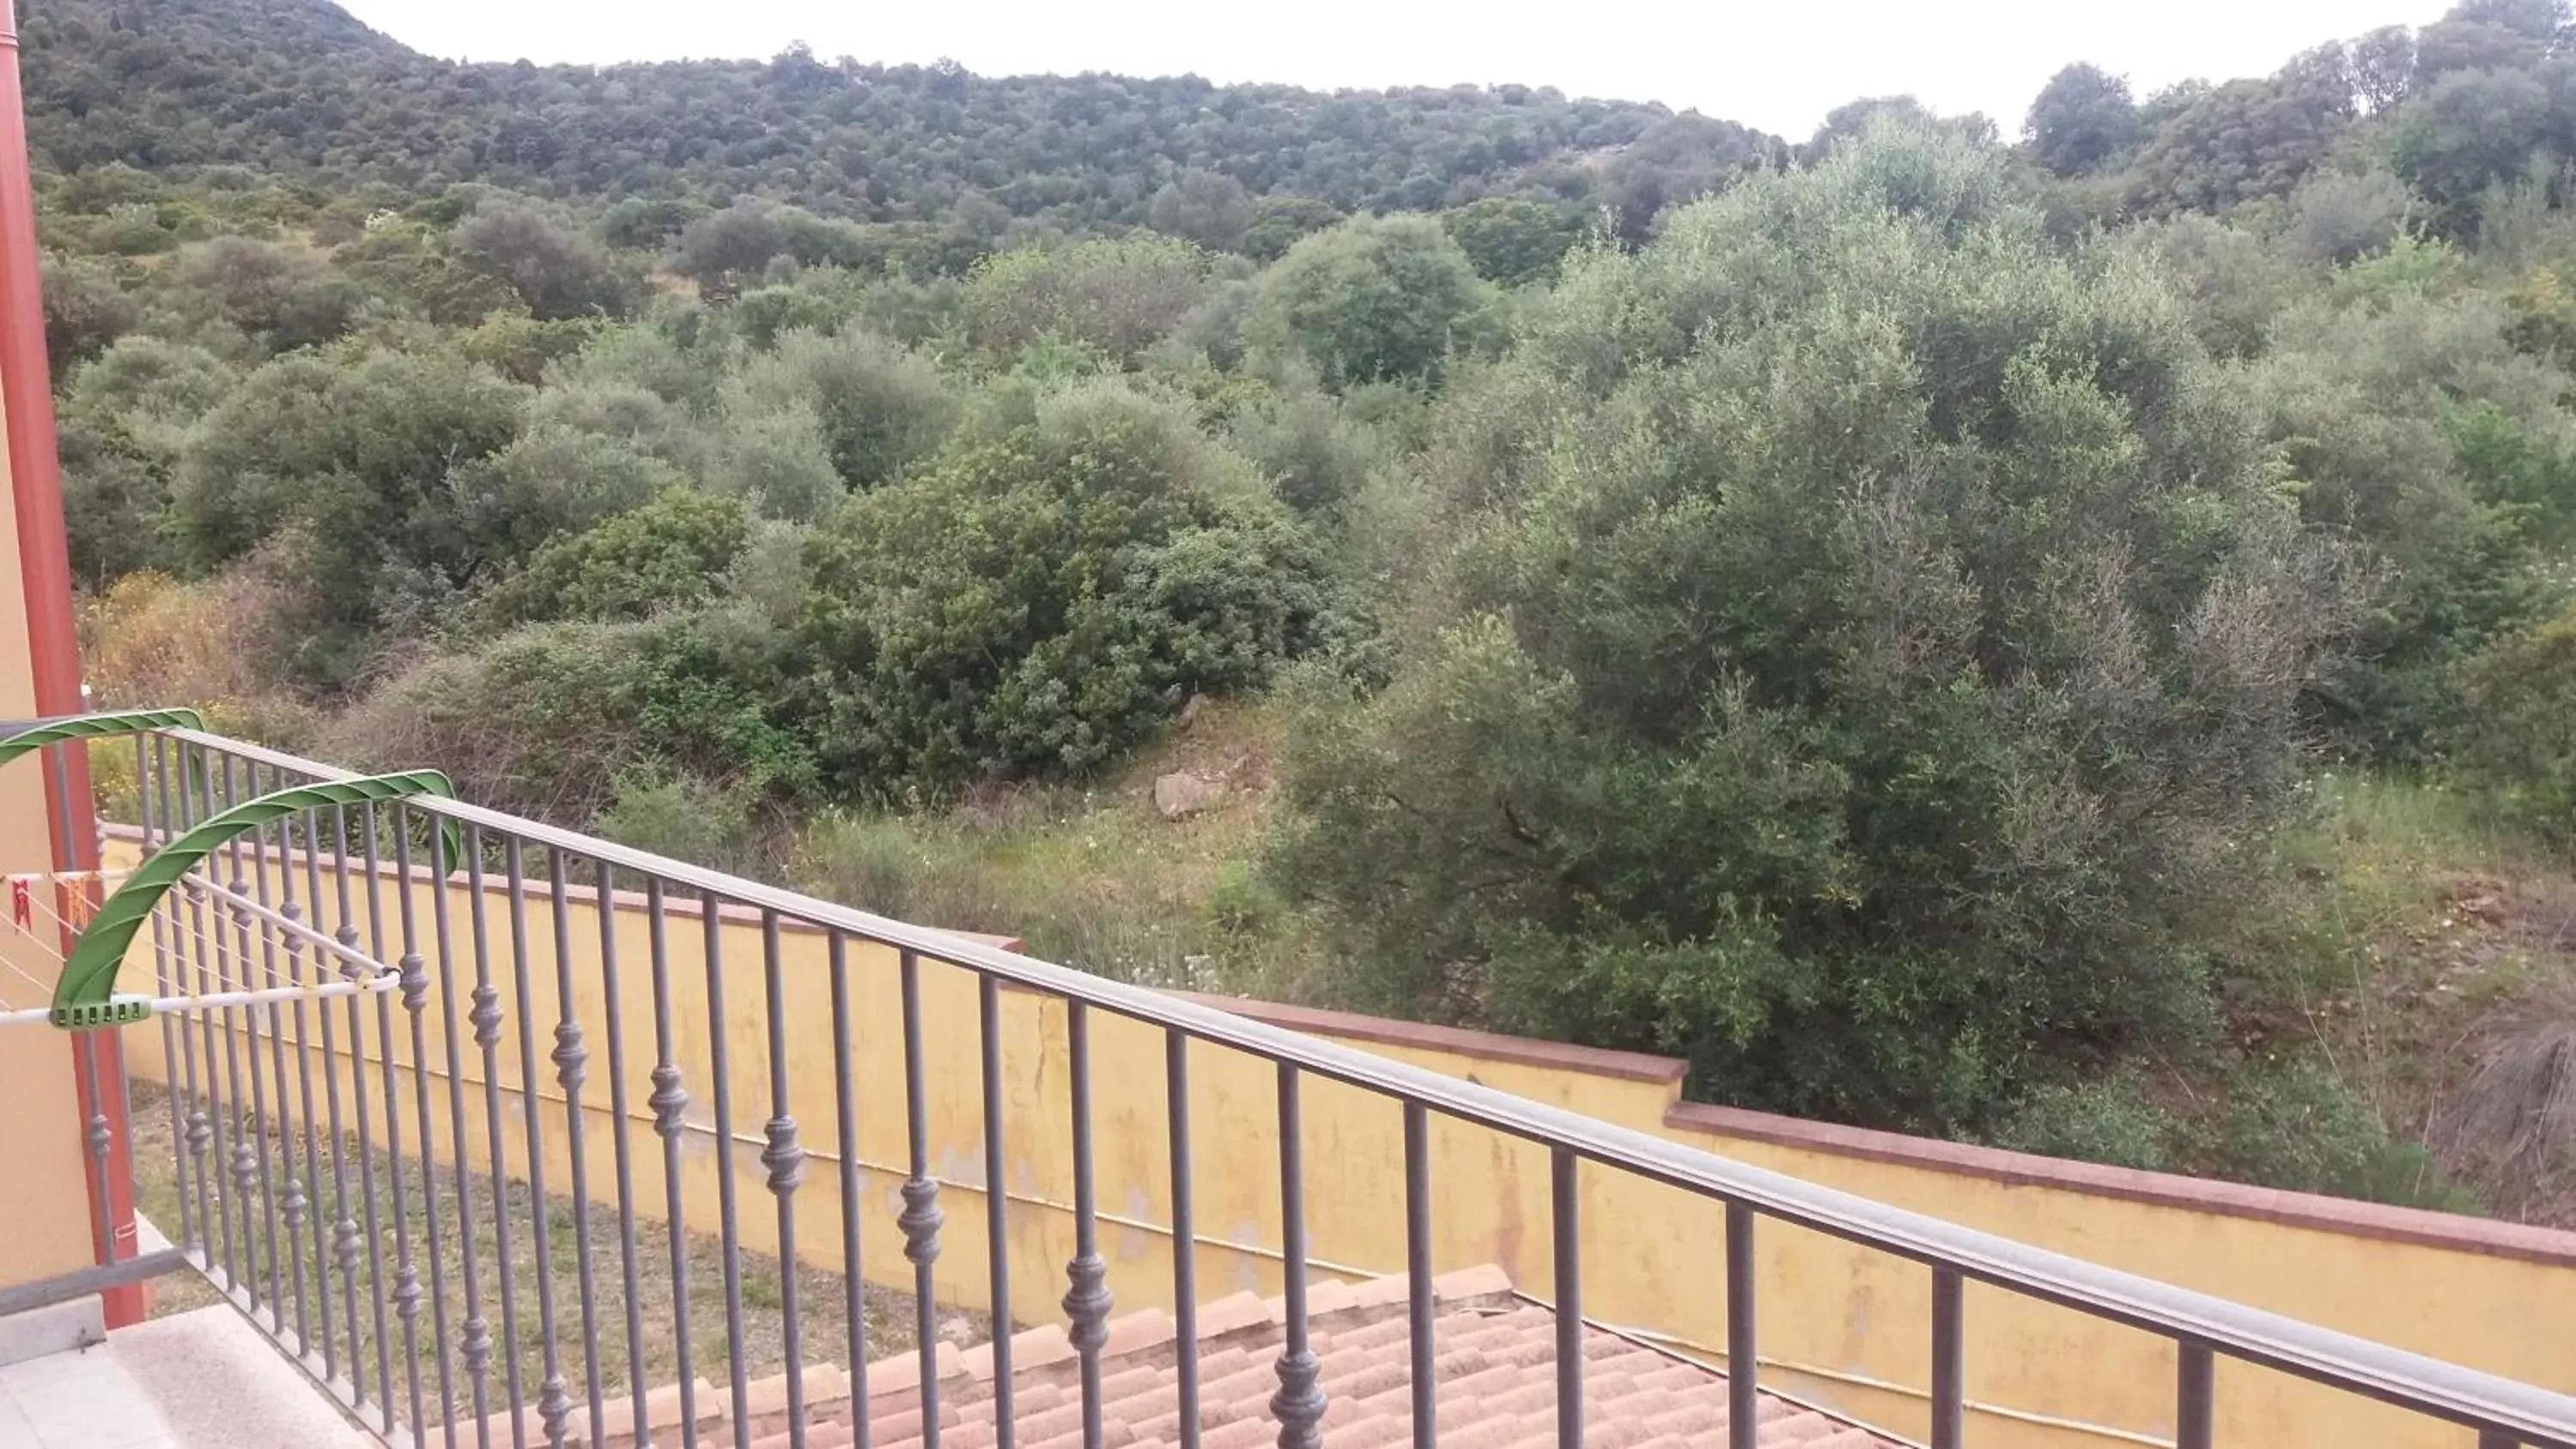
x,y
1190,712
1181,795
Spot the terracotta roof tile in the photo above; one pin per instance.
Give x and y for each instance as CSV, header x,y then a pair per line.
x,y
1495,1360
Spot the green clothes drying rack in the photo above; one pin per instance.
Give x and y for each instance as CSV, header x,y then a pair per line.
x,y
85,998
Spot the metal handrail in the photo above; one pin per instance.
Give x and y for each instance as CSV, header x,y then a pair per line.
x,y
2487,1402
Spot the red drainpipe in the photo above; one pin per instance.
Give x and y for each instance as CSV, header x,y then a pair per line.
x,y
45,569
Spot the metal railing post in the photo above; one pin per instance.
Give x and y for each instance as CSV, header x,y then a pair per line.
x,y
997,1206
1299,1405
846,1122
1566,1227
1743,1368
1949,1360
2195,1397
921,1217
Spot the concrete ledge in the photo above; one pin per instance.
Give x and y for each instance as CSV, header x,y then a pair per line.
x,y
57,1328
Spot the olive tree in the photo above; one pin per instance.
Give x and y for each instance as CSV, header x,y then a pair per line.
x,y
1375,299
1870,637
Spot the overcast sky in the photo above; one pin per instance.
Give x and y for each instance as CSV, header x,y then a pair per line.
x,y
1779,65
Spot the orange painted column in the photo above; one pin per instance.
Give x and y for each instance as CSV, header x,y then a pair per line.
x,y
53,651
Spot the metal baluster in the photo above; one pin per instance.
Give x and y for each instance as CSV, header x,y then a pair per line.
x,y
343,1254
99,1137
670,1104
2196,1398
845,1105
167,924
415,1000
486,1017
1743,1409
921,1217
199,1131
258,1087
1299,1404
122,1111
205,1134
1417,1273
146,780
786,1163
406,1271
1086,1301
245,1268
625,1166
251,1149
249,1145
572,1069
304,1203
347,935
1949,1360
474,1335
1185,1245
740,1372
997,1206
554,1402
1565,1200
293,1200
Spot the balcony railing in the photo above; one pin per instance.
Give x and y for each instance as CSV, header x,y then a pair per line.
x,y
474,1104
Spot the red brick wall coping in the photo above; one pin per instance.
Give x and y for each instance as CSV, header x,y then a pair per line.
x,y
1519,1050
2448,1231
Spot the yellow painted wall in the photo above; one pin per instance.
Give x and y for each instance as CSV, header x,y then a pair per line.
x,y
44,1196
1839,1325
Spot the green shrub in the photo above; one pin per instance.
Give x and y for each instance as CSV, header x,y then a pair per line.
x,y
2519,740
1114,296
877,407
2108,1119
546,720
1046,591
550,481
86,308
674,552
1314,456
558,270
1375,299
2296,1125
337,469
1514,240
685,818
280,298
1877,652
1239,900
2412,426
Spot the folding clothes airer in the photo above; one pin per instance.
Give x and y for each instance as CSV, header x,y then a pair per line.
x,y
84,997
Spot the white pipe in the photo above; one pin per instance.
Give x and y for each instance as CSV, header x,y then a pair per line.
x,y
321,942
216,1000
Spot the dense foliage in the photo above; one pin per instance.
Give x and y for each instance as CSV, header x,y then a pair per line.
x,y
1859,661
298,90
1857,614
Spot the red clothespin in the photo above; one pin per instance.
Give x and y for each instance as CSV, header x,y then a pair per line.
x,y
20,909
